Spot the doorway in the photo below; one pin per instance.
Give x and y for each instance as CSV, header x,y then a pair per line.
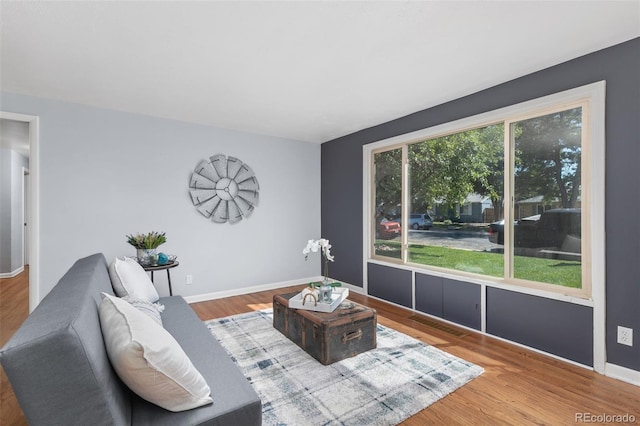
x,y
28,222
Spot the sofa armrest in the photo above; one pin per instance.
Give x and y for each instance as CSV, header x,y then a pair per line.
x,y
57,363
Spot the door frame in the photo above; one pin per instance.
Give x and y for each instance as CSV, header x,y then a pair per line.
x,y
25,215
34,198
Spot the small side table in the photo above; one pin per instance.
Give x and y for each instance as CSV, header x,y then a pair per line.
x,y
168,267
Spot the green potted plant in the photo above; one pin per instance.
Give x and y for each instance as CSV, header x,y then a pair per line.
x,y
146,245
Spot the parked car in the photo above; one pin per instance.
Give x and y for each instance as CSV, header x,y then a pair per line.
x,y
418,221
388,229
496,229
553,229
496,232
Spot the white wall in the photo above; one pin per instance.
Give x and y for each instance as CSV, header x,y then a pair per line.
x,y
105,174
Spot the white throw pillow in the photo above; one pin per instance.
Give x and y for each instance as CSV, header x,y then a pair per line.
x,y
152,310
129,279
148,359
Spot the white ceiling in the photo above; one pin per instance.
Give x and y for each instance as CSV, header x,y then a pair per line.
x,y
309,71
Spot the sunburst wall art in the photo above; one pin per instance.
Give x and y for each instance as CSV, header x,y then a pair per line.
x,y
224,189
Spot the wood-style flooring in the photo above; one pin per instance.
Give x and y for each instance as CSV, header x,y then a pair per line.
x,y
14,309
518,387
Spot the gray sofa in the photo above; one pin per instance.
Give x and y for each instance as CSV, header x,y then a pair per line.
x,y
59,370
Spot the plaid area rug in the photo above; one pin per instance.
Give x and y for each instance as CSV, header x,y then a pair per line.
x,y
383,386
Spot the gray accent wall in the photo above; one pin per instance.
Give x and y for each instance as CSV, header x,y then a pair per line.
x,y
619,66
342,206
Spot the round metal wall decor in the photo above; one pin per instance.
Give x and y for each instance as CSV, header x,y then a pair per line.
x,y
224,189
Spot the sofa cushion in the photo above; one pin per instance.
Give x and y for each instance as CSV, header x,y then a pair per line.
x,y
148,359
235,400
128,278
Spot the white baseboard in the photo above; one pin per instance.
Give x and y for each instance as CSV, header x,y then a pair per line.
x,y
265,287
247,290
622,373
12,273
353,288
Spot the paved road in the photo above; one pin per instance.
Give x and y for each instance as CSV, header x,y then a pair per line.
x,y
478,241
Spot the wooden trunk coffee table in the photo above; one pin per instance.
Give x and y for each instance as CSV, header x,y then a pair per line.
x,y
327,336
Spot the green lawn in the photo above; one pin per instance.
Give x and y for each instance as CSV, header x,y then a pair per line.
x,y
561,272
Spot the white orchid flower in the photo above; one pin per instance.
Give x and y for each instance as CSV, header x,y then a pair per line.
x,y
328,255
315,245
312,246
307,249
325,247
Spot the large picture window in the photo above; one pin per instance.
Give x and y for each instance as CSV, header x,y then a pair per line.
x,y
503,197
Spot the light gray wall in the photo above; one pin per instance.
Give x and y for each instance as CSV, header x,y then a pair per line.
x,y
105,174
11,210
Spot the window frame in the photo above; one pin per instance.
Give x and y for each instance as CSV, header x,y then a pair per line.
x,y
590,97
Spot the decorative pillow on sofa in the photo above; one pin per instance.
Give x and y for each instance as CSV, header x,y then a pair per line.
x,y
152,310
129,279
148,359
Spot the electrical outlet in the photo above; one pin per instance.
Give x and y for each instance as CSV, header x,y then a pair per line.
x,y
188,279
625,336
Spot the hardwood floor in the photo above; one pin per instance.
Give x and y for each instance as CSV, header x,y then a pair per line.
x,y
14,309
519,387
